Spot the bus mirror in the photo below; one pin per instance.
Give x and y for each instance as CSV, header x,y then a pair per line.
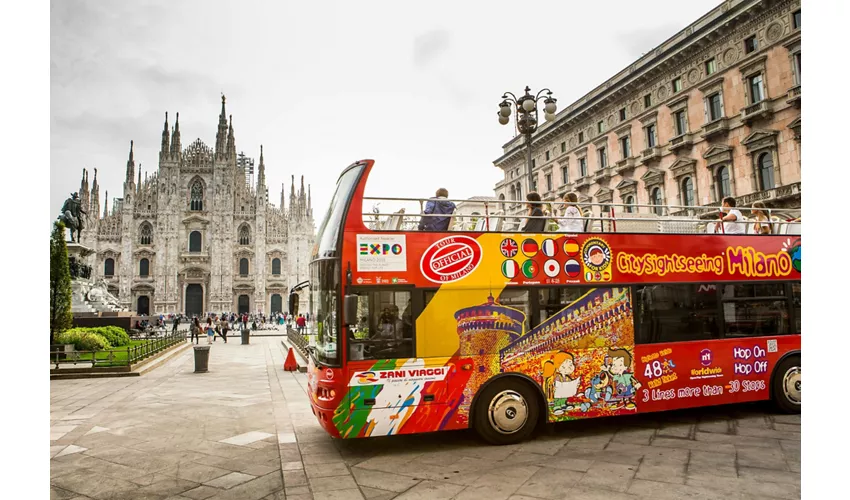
x,y
350,310
293,304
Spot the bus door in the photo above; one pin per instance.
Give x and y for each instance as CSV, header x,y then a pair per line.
x,y
382,368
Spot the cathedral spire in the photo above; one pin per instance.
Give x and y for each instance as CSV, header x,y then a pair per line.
x,y
282,197
94,206
176,147
231,140
131,167
221,135
165,147
106,205
139,184
261,173
309,200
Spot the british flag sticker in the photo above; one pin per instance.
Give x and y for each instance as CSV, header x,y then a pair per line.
x,y
509,247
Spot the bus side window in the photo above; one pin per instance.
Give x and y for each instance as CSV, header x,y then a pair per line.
x,y
517,298
795,301
385,326
755,309
554,300
675,313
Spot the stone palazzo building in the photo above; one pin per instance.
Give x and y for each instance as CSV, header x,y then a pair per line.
x,y
196,237
714,111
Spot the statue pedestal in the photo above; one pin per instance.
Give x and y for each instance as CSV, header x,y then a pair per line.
x,y
80,253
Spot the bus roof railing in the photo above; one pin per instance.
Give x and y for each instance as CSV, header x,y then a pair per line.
x,y
630,218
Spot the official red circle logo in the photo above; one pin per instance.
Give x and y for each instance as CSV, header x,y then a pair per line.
x,y
329,374
450,259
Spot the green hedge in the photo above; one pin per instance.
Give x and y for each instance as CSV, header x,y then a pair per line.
x,y
115,335
83,339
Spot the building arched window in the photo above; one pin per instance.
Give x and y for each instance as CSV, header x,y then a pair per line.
x,y
724,186
630,204
244,235
145,234
687,192
243,266
144,267
276,266
109,267
765,166
195,241
655,199
196,196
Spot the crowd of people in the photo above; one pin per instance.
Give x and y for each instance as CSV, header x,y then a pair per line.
x,y
570,218
215,325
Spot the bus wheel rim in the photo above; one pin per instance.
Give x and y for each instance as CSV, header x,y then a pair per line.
x,y
791,385
508,412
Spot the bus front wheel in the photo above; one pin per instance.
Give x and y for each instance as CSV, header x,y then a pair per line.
x,y
506,412
786,385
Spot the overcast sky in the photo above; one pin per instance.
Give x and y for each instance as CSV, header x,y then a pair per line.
x,y
413,85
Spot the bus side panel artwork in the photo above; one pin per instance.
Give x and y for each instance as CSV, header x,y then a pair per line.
x,y
388,397
691,374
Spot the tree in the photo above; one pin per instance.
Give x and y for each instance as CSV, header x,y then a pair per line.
x,y
60,282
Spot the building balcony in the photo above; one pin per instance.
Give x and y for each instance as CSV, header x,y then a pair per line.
x,y
194,257
143,279
681,141
794,96
778,193
625,165
583,182
564,189
650,154
603,174
759,110
717,127
240,278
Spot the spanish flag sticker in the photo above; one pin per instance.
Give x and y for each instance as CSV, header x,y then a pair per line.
x,y
571,247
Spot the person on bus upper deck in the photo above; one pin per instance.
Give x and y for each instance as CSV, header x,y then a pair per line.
x,y
729,215
761,226
536,221
571,220
437,205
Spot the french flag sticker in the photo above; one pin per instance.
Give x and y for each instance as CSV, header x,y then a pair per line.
x,y
549,248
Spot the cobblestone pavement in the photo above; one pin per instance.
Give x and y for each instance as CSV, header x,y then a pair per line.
x,y
245,431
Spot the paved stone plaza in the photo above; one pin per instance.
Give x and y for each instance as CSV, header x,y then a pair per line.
x,y
245,431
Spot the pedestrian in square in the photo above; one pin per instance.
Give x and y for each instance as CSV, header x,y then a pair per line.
x,y
210,331
196,330
224,328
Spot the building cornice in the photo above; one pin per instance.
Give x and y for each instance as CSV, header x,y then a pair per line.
x,y
713,26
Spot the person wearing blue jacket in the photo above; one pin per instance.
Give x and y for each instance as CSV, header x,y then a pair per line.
x,y
437,205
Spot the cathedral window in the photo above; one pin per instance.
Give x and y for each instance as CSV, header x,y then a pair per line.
x,y
244,235
109,267
195,241
145,234
196,196
243,267
276,266
144,268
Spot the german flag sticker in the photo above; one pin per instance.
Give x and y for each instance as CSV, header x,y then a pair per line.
x,y
530,248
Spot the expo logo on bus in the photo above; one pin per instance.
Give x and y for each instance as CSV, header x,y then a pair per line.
x,y
450,259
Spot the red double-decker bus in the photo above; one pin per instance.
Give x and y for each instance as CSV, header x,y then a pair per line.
x,y
501,330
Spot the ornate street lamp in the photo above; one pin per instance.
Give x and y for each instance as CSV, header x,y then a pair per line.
x,y
526,117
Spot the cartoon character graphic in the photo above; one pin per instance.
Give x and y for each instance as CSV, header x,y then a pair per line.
x,y
615,384
561,387
596,257
667,366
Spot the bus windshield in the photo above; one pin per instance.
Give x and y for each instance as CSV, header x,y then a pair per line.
x,y
325,271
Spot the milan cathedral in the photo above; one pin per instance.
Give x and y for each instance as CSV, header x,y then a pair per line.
x,y
197,236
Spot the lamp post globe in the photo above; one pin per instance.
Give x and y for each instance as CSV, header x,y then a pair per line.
x,y
505,109
550,107
528,104
503,119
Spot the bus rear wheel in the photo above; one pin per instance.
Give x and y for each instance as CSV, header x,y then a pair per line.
x,y
786,385
506,411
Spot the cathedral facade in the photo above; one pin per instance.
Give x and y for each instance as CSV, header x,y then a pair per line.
x,y
196,236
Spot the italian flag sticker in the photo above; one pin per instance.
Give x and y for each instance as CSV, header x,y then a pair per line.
x,y
510,269
530,269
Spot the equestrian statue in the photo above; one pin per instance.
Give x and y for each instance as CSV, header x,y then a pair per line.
x,y
72,215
